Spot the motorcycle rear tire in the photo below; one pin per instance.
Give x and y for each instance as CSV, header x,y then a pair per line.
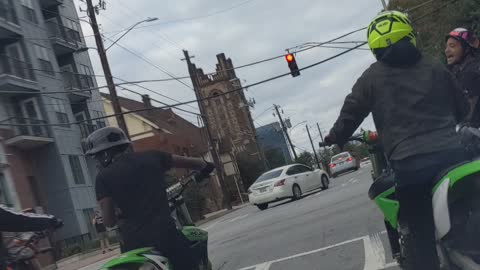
x,y
204,265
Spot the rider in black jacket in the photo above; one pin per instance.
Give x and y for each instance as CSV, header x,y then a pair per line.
x,y
416,105
134,183
12,221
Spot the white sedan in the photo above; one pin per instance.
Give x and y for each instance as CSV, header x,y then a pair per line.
x,y
286,182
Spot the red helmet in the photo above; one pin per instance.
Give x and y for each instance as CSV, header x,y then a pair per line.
x,y
465,36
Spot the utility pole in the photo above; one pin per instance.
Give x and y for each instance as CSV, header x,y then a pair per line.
x,y
321,135
285,131
384,5
106,68
324,148
313,147
212,145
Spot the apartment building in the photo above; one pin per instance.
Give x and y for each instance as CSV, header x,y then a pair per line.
x,y
43,64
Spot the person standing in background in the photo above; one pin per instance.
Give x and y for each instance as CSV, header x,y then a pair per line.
x,y
101,231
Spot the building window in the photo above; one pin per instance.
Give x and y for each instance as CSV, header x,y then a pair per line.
x,y
86,80
4,195
73,34
100,123
60,112
77,171
44,60
29,10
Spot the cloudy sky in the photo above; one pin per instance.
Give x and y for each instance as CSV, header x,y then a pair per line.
x,y
246,31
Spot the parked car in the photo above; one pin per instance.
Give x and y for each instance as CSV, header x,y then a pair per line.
x,y
285,182
343,162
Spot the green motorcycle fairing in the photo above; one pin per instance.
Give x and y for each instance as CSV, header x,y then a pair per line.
x,y
136,256
132,257
388,206
195,234
391,207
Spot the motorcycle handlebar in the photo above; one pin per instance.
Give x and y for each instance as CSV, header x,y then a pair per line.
x,y
368,137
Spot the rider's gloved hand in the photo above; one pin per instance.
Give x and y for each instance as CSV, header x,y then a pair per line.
x,y
207,170
56,223
330,139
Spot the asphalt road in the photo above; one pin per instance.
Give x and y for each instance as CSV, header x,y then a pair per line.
x,y
339,228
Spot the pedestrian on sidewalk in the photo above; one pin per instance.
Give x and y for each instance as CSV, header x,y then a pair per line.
x,y
101,231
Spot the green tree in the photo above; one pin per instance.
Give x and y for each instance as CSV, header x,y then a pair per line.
x,y
432,28
305,158
250,169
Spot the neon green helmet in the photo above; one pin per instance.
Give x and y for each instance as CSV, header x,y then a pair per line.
x,y
388,28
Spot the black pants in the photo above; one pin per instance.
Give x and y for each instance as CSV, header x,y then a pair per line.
x,y
415,178
162,234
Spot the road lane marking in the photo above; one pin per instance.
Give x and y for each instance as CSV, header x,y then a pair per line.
x,y
263,266
303,254
211,225
392,264
374,252
236,218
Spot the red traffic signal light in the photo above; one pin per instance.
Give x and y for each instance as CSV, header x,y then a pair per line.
x,y
292,64
289,57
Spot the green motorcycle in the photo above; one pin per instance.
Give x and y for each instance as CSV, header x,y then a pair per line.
x,y
150,259
455,202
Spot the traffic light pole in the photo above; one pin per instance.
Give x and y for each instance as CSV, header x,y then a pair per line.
x,y
285,131
227,202
313,147
324,148
106,69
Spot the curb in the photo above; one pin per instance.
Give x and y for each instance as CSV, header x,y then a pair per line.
x,y
222,213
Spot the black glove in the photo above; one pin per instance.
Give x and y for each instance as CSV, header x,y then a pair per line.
x,y
207,170
56,223
330,139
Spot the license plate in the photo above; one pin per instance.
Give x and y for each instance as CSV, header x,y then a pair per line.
x,y
262,190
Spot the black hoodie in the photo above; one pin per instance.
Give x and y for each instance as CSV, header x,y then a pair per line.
x,y
468,76
415,104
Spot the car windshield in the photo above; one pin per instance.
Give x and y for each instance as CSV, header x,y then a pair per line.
x,y
268,176
340,157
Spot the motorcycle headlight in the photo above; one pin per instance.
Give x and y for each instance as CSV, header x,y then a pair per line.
x,y
148,266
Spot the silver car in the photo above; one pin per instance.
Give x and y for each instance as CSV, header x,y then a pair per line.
x,y
343,162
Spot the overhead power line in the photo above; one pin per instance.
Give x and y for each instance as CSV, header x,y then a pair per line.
x,y
152,64
197,100
163,103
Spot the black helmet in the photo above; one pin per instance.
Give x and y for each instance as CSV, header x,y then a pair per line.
x,y
105,138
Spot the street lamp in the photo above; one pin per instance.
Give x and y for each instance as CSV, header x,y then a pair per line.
x,y
130,29
303,122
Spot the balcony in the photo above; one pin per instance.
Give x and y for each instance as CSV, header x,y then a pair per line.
x,y
65,40
32,135
9,28
76,82
16,75
50,3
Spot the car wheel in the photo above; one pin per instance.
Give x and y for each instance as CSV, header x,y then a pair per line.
x,y
262,206
297,192
325,182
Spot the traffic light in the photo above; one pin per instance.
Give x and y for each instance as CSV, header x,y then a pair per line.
x,y
292,64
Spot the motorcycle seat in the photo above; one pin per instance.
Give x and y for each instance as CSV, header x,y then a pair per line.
x,y
383,183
